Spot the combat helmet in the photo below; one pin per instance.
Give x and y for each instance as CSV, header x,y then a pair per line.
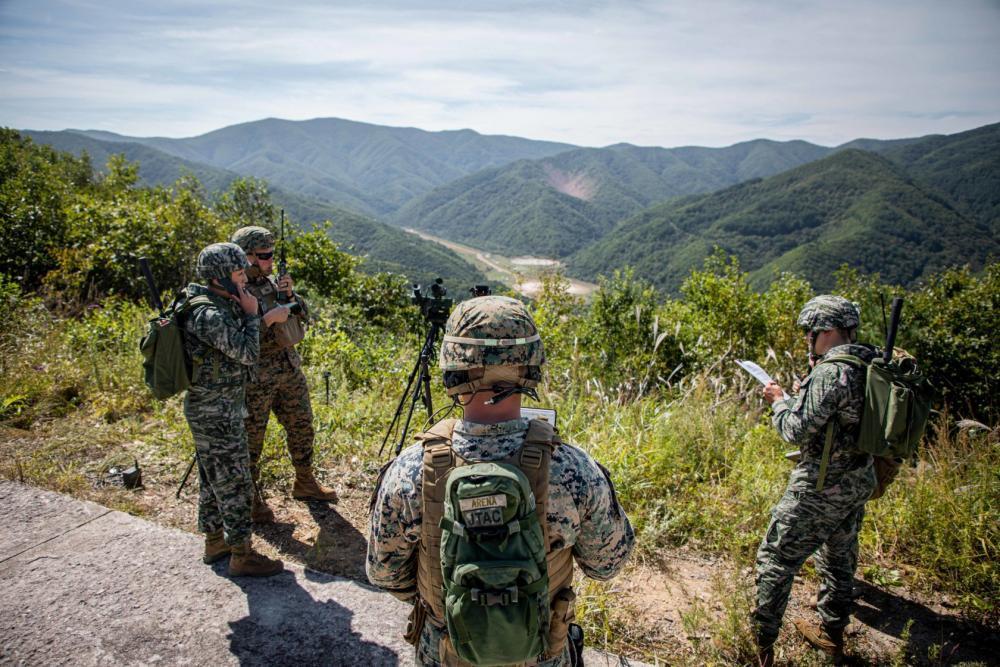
x,y
253,237
219,260
491,342
828,311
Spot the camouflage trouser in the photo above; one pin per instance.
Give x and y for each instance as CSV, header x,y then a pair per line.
x,y
216,420
280,387
804,522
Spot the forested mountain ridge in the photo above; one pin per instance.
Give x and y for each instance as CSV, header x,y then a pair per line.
x,y
556,205
852,207
368,168
386,248
965,166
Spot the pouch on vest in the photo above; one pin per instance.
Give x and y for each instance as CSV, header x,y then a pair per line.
x,y
167,370
493,560
289,333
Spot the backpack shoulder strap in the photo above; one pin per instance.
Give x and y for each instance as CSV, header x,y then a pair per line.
x,y
439,460
533,460
824,460
857,362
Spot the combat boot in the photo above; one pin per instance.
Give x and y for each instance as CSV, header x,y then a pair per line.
x,y
259,510
765,651
215,547
827,640
307,488
246,562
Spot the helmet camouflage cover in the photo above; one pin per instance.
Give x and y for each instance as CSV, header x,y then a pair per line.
x,y
251,238
219,260
490,332
828,311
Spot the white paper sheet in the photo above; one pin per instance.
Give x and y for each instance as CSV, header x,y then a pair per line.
x,y
759,373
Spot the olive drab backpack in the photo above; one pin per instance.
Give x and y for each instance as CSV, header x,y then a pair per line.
x,y
896,408
485,573
165,365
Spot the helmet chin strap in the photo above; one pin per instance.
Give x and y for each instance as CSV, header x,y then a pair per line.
x,y
503,392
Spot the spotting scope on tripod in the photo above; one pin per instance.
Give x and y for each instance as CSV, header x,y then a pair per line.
x,y
435,309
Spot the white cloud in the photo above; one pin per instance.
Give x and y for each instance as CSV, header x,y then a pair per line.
x,y
707,73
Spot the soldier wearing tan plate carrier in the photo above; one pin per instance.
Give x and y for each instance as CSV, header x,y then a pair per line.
x,y
479,523
279,385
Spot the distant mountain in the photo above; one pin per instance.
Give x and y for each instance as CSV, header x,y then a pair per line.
x,y
965,166
368,168
852,207
556,205
155,166
385,248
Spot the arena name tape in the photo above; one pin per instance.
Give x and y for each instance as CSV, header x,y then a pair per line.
x,y
492,342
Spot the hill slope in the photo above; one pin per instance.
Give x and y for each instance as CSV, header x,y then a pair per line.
x,y
852,207
369,168
385,248
556,205
965,166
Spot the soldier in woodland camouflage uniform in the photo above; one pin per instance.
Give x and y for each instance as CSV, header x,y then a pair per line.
x,y
222,338
280,385
807,520
486,376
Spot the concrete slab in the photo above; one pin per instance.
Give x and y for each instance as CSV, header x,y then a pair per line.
x,y
85,585
38,516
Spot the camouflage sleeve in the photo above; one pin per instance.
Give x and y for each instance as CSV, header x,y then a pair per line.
x,y
800,419
605,540
237,340
394,532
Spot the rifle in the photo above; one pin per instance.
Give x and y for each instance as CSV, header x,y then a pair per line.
x,y
282,260
154,297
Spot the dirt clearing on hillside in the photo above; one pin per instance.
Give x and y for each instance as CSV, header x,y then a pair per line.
x,y
684,607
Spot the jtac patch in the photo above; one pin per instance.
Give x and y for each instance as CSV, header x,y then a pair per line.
x,y
483,511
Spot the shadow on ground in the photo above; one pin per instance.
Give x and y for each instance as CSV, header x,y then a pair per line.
x,y
953,640
336,548
286,625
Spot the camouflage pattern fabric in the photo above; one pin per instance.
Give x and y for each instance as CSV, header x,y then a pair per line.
x,y
828,311
219,260
227,340
490,331
827,522
280,386
253,237
583,513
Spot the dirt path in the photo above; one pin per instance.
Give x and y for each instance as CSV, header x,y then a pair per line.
x,y
525,282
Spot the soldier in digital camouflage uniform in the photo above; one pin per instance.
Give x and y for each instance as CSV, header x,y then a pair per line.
x,y
584,517
280,385
826,521
222,337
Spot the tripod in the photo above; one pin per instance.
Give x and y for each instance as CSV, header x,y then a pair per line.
x,y
421,389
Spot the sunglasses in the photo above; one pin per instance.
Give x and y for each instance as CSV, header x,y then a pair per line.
x,y
263,255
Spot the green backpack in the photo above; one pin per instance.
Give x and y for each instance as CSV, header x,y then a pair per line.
x,y
495,575
897,406
166,367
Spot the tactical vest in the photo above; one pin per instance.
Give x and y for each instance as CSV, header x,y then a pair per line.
x,y
533,459
281,335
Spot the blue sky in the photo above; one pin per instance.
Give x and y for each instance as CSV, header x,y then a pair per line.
x,y
586,72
